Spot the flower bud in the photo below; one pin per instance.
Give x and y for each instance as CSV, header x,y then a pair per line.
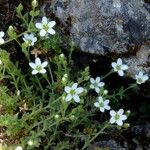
x,y
34,3
18,148
30,143
126,125
18,93
56,116
128,112
105,92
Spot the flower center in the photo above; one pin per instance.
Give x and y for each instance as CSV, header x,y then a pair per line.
x,y
45,27
101,104
118,67
38,68
117,117
72,92
140,80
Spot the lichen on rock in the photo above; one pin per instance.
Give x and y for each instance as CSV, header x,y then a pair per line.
x,y
105,26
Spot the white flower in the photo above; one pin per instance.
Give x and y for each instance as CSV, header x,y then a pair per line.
x,y
73,92
117,117
141,78
119,67
46,27
30,39
96,84
102,104
18,148
0,62
1,37
38,67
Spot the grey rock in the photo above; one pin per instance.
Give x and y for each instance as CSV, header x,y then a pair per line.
x,y
139,62
109,145
105,26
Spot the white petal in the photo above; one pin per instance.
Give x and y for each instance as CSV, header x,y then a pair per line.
x,y
42,32
1,41
44,64
1,34
145,77
39,25
123,117
67,89
38,61
34,72
79,90
32,65
92,80
51,24
119,61
96,104
102,109
119,122
112,113
112,120
44,20
74,86
76,98
34,39
106,102
141,74
101,84
100,99
51,31
42,71
120,112
124,67
97,79
97,90
107,107
113,64
68,97
120,72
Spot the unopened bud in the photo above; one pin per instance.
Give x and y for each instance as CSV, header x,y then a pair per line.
x,y
18,148
105,92
30,143
56,116
34,3
126,125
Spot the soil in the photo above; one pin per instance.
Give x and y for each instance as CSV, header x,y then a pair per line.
x,y
137,136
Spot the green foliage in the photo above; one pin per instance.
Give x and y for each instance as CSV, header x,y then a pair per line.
x,y
36,105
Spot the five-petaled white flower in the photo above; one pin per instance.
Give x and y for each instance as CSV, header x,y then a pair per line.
x,y
18,148
30,39
96,84
1,37
119,67
141,78
38,67
73,92
117,117
46,27
102,104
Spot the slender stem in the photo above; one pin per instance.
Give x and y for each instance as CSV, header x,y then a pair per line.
x,y
39,84
87,144
51,74
130,87
109,73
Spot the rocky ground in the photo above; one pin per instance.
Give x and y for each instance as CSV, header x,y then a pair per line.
x,y
137,136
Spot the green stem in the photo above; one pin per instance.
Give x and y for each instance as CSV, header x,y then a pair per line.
x,y
109,73
87,144
51,74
